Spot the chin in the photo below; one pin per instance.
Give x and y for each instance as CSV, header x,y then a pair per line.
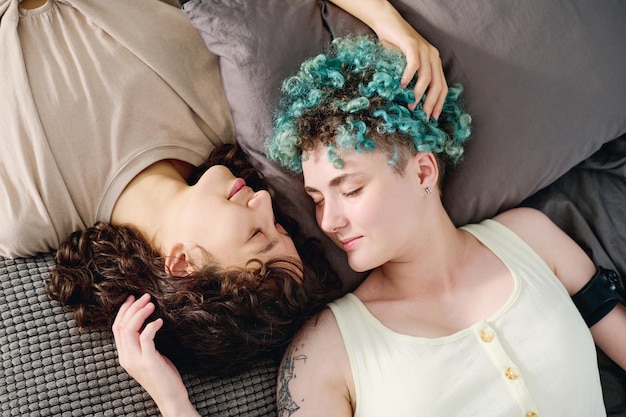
x,y
359,266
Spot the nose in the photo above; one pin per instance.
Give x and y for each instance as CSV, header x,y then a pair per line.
x,y
330,217
261,200
261,205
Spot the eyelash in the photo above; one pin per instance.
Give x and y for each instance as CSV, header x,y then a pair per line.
x,y
354,192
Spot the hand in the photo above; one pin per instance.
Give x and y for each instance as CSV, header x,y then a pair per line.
x,y
139,357
422,57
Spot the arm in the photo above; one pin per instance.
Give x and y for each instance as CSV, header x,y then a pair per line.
x,y
574,268
312,375
421,56
138,356
610,335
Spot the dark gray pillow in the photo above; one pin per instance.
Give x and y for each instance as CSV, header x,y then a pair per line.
x,y
259,43
545,83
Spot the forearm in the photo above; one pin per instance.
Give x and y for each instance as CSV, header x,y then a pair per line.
x,y
374,13
610,335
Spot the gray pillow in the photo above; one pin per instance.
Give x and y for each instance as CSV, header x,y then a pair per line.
x,y
545,82
259,43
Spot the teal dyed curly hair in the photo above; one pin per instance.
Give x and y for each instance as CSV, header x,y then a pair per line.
x,y
350,99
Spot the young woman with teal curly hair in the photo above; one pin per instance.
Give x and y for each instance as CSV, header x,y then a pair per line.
x,y
476,320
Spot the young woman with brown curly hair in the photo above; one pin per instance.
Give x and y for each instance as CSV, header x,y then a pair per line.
x,y
217,317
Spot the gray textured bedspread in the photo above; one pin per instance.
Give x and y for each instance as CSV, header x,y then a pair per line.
x,y
50,368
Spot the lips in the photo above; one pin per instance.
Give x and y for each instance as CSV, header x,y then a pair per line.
x,y
240,184
349,243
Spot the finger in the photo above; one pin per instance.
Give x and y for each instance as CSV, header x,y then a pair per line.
x,y
148,334
412,66
424,79
423,82
439,106
137,320
441,98
437,91
124,341
132,309
430,101
126,330
119,317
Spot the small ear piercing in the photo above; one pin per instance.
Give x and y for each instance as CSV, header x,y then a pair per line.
x,y
428,190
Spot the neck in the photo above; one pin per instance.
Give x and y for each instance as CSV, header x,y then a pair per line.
x,y
149,199
433,265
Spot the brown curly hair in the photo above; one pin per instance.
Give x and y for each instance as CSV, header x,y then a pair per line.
x,y
216,321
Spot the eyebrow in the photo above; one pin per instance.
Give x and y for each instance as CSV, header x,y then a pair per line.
x,y
335,182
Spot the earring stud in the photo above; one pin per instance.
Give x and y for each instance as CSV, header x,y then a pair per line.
x,y
428,190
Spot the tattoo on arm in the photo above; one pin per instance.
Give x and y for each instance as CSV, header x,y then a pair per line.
x,y
286,405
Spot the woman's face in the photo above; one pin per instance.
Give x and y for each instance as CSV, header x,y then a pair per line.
x,y
366,207
223,217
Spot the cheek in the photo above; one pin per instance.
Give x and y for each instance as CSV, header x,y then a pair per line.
x,y
373,206
218,233
374,214
384,213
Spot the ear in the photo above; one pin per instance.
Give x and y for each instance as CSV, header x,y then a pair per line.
x,y
426,168
177,261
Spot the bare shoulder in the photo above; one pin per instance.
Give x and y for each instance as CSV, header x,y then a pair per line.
x,y
314,373
536,229
521,218
562,254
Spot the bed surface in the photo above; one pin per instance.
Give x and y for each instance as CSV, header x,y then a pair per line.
x,y
50,368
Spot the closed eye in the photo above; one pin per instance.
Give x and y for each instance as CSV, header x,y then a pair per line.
x,y
266,248
353,193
